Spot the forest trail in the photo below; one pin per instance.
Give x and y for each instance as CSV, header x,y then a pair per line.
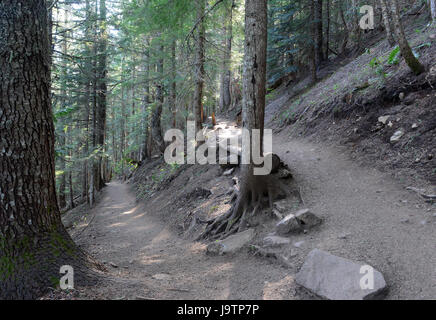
x,y
146,260
367,216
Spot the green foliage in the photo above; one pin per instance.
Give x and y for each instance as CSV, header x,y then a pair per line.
x,y
393,57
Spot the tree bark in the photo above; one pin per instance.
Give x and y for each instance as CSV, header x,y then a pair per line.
x,y
356,27
199,65
101,96
327,33
405,49
433,10
387,23
254,79
318,32
225,97
33,242
156,128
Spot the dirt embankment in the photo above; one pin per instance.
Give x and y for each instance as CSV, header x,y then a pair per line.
x,y
375,106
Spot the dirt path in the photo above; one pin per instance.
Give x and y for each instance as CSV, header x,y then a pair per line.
x,y
152,262
368,217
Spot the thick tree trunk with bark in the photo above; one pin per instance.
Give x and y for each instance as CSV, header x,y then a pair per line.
x,y
33,242
199,65
318,32
406,51
252,187
327,33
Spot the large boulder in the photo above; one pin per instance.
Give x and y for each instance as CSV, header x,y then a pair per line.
x,y
231,244
335,278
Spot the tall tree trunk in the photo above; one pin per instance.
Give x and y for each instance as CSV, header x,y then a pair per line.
x,y
387,22
156,128
101,96
406,51
254,79
199,65
313,51
253,112
63,102
433,10
318,32
327,33
225,97
33,242
173,88
356,27
146,102
346,30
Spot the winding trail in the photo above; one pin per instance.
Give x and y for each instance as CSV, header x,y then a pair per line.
x,y
154,263
368,217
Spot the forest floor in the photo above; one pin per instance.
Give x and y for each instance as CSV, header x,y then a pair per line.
x,y
367,216
344,166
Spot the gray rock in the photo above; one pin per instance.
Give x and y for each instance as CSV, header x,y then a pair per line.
x,y
299,244
384,119
231,244
275,241
229,172
335,278
161,276
397,136
288,224
307,218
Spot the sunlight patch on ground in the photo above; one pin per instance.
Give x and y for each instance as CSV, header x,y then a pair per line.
x,y
130,211
278,290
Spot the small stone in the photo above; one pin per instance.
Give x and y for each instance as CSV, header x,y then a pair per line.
x,y
430,156
288,224
161,276
299,244
229,172
390,124
383,119
231,244
401,96
275,241
113,265
307,218
397,136
414,126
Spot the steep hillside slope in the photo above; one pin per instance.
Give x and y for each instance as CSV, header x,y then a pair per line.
x,y
361,104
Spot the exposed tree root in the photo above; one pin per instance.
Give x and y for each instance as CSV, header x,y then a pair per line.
x,y
253,194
